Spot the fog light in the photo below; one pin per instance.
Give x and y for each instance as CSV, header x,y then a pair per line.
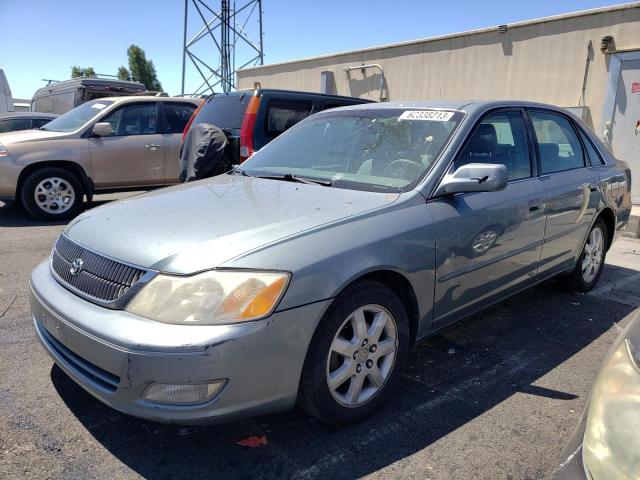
x,y
183,394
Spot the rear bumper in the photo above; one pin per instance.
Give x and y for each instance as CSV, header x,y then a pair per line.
x,y
262,361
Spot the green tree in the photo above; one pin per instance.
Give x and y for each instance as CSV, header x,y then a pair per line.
x,y
123,73
77,72
142,70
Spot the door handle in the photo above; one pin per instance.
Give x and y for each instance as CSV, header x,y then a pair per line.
x,y
153,146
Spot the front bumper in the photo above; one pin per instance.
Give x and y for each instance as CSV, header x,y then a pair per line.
x,y
115,355
9,174
571,466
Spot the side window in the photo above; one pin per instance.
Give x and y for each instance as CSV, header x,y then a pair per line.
x,y
592,153
39,122
176,116
499,138
16,124
284,114
136,119
558,144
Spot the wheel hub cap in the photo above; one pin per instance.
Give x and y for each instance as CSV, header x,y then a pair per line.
x,y
363,354
54,195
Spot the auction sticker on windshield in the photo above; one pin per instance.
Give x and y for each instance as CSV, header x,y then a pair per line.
x,y
437,115
99,106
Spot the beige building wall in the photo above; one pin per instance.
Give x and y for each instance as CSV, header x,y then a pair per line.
x,y
540,60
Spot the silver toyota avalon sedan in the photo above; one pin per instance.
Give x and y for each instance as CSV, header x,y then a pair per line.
x,y
306,274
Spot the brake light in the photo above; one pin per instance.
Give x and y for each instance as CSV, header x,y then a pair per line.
x,y
193,116
246,131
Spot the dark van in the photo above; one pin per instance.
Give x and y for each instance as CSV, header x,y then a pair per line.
x,y
252,119
60,97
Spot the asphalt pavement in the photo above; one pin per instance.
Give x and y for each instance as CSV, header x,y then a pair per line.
x,y
494,397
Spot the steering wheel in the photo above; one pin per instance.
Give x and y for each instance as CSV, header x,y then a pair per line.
x,y
403,168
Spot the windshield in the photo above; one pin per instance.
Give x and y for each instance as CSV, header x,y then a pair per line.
x,y
374,149
74,119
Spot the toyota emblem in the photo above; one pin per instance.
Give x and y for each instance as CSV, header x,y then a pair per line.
x,y
76,266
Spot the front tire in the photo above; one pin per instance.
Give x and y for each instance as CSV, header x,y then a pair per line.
x,y
590,264
52,194
356,356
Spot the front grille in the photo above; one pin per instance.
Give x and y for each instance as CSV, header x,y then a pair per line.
x,y
100,278
84,368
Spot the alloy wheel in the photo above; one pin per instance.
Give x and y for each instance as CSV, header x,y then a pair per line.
x,y
362,355
593,255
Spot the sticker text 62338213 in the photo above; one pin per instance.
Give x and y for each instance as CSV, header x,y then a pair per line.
x,y
433,115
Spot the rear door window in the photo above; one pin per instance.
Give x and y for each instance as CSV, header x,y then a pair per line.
x,y
284,114
176,116
224,110
558,144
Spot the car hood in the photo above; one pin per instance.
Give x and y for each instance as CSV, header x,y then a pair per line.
x,y
22,136
201,225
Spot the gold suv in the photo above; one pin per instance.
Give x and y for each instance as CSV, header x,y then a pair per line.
x,y
122,143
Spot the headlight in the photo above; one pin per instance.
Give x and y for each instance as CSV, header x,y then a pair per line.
x,y
3,151
611,447
211,298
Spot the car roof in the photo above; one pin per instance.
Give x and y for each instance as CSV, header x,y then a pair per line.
x,y
4,116
470,106
298,92
91,81
149,98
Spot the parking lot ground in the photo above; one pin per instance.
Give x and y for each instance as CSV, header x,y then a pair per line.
x,y
494,397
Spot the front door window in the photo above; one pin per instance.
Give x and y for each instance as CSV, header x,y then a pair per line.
x,y
138,119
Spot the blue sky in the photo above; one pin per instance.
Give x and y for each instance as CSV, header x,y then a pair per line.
x,y
42,39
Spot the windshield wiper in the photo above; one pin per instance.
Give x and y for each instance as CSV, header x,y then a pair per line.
x,y
240,171
288,177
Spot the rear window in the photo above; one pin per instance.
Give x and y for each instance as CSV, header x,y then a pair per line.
x,y
224,111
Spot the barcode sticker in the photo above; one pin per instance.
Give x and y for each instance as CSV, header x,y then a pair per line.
x,y
434,115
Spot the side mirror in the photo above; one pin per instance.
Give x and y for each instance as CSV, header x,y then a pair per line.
x,y
102,129
474,177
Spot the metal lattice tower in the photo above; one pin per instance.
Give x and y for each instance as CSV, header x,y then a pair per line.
x,y
225,35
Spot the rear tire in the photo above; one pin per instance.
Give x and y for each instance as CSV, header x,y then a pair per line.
x,y
52,194
356,356
590,264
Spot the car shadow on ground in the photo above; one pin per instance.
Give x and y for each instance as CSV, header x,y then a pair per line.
x,y
450,380
13,215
